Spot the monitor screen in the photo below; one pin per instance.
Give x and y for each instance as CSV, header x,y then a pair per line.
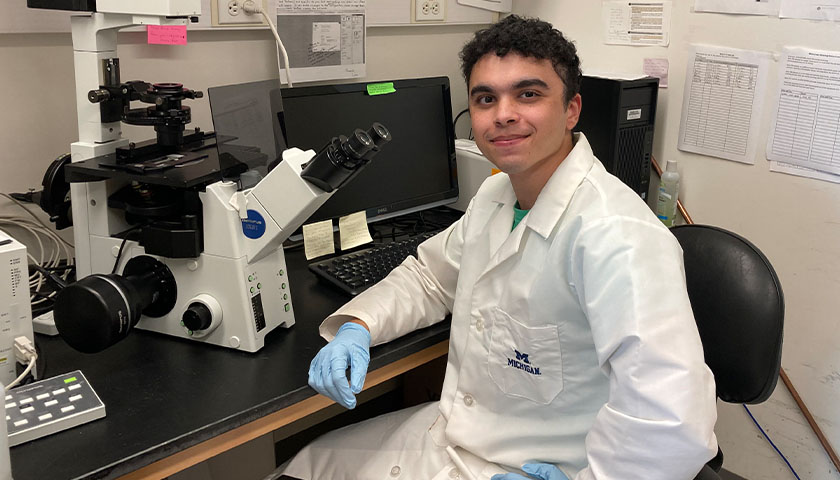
x,y
414,171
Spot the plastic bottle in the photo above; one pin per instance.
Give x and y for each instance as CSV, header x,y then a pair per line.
x,y
669,188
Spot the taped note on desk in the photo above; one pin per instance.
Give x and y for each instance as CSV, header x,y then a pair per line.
x,y
318,239
353,230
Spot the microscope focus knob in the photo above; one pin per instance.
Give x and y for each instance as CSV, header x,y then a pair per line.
x,y
197,317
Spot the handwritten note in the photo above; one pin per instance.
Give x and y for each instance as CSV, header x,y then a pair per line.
x,y
318,239
353,230
167,34
657,67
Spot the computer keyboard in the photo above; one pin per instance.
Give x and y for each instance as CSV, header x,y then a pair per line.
x,y
356,272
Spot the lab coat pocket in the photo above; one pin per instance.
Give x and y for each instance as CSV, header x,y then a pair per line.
x,y
525,361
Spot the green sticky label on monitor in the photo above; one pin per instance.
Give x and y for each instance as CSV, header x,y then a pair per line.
x,y
380,88
71,379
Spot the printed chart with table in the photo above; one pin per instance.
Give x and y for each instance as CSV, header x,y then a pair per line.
x,y
721,103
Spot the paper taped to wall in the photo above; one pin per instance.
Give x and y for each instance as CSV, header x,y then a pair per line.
x,y
806,119
744,7
811,9
636,23
800,171
325,39
492,5
722,102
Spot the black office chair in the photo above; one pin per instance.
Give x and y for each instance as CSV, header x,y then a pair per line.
x,y
739,309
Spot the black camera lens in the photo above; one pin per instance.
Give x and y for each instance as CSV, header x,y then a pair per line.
x,y
100,310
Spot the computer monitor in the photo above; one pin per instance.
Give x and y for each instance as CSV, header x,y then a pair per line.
x,y
414,171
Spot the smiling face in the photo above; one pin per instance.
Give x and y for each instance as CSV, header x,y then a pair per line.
x,y
520,118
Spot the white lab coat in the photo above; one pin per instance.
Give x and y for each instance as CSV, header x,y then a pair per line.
x,y
572,342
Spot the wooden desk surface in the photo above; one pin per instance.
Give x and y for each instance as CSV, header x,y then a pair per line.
x,y
172,403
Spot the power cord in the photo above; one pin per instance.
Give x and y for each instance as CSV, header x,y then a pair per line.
x,y
761,429
251,8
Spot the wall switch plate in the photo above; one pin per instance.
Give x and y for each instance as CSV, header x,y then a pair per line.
x,y
429,11
230,13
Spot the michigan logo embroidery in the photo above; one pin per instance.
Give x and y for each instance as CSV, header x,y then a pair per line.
x,y
522,363
522,357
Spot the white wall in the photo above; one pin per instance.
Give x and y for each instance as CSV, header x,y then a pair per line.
x,y
38,114
793,220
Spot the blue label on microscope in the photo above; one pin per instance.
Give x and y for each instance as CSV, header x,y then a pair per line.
x,y
253,226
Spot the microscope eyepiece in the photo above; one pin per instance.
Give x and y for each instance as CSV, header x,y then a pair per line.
x,y
379,134
344,157
357,145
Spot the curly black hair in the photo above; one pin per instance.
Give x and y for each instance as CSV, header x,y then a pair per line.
x,y
529,37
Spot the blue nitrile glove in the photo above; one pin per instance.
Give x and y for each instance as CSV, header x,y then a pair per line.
x,y
327,372
542,471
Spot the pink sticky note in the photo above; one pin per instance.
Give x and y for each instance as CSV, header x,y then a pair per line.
x,y
167,34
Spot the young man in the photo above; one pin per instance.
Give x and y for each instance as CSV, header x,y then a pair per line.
x,y
573,349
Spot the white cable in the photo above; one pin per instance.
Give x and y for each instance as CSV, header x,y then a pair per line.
x,y
25,372
281,47
50,247
24,351
13,199
250,8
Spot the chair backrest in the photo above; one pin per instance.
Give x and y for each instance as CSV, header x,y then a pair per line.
x,y
739,309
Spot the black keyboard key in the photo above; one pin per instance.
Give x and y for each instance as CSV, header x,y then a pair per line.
x,y
355,272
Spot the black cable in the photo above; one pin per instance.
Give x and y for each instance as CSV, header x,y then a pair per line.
x,y
455,122
41,367
119,254
50,276
122,244
42,295
41,309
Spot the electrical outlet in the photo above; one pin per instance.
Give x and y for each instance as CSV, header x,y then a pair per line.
x,y
231,12
429,10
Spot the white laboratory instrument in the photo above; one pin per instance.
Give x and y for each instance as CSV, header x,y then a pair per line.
x,y
15,309
200,257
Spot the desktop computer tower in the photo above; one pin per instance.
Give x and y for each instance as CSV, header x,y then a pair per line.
x,y
617,118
